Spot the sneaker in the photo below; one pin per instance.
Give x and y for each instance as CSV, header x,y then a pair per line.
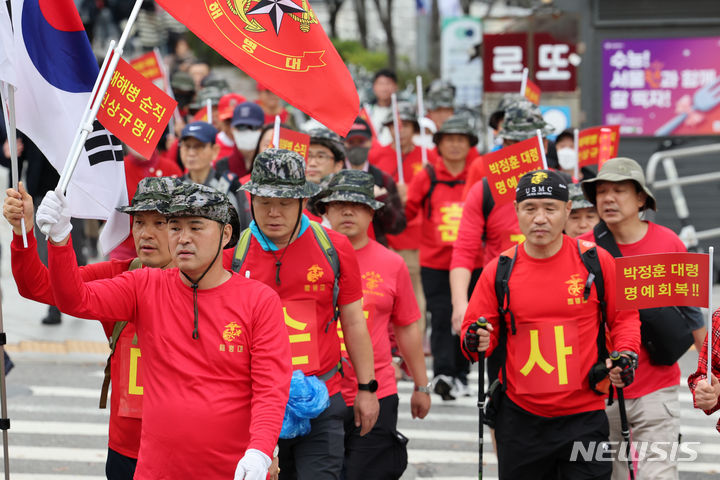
x,y
53,316
442,385
461,389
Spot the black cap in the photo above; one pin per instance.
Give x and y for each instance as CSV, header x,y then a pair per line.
x,y
541,184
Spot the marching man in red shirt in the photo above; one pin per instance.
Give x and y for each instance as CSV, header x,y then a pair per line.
x,y
217,374
435,195
388,299
545,406
316,274
149,232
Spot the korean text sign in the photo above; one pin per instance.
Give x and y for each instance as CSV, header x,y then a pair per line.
x,y
135,110
598,144
504,168
662,280
148,66
294,141
661,87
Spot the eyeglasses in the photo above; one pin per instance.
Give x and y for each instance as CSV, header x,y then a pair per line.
x,y
320,156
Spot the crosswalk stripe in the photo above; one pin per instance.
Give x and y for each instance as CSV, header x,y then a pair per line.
x,y
58,428
448,456
58,454
46,391
13,409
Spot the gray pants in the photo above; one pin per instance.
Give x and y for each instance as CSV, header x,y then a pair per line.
x,y
319,454
654,417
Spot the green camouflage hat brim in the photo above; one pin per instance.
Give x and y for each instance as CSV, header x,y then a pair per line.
x,y
577,198
281,191
353,197
195,200
153,194
520,135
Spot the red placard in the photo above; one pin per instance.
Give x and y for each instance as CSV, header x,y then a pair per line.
x,y
148,66
504,168
505,55
295,141
662,280
532,92
303,332
135,110
596,145
130,383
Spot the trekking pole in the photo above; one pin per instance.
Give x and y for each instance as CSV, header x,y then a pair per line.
x,y
482,323
623,362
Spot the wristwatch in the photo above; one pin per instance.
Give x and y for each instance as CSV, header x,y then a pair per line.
x,y
425,389
371,386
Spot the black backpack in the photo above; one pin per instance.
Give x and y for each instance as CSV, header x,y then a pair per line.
x,y
433,182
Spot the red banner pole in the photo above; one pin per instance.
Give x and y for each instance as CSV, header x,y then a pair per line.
x,y
396,129
711,250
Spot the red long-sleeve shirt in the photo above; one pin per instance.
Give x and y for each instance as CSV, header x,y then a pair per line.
x,y
549,357
500,232
33,282
440,228
209,399
701,372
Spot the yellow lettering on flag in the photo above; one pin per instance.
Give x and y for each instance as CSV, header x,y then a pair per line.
x,y
535,357
133,387
562,351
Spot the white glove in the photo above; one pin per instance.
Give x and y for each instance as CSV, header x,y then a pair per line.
x,y
53,216
253,466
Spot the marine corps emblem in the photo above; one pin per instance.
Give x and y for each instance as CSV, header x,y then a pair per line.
x,y
372,280
538,178
575,285
231,332
314,273
276,9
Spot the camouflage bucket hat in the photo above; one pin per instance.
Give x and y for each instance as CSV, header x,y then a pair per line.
x,y
353,186
507,100
457,124
327,138
195,200
213,94
522,120
279,173
619,170
577,198
406,113
153,194
442,98
182,81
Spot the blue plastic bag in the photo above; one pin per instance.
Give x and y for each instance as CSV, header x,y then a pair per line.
x,y
308,399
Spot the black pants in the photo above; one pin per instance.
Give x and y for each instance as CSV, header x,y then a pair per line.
x,y
540,448
445,346
319,454
382,453
119,467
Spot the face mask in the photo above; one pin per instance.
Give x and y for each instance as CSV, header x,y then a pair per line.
x,y
357,156
567,158
246,139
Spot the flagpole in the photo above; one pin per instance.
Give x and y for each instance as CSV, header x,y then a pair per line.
x,y
396,129
208,110
711,251
421,115
9,114
168,89
523,83
276,132
542,149
96,100
576,143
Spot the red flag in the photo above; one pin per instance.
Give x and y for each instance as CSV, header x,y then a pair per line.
x,y
532,92
598,144
295,141
148,66
135,110
662,280
504,167
281,44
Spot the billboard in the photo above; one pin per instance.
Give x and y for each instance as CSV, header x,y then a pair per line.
x,y
460,35
662,86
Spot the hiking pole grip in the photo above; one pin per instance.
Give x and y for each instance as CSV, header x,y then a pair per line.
x,y
481,323
623,362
